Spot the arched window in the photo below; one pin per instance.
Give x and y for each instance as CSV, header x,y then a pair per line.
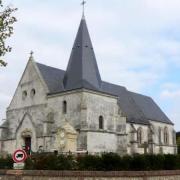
x,y
139,135
101,122
159,135
64,107
166,135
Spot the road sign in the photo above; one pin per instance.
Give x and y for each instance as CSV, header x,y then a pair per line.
x,y
18,166
19,156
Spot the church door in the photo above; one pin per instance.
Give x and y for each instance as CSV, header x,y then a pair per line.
x,y
27,145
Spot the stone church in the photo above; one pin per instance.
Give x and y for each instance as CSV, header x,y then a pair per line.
x,y
75,110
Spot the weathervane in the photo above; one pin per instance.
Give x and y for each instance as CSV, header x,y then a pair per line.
x,y
83,4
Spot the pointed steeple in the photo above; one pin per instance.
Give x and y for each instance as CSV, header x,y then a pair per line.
x,y
82,70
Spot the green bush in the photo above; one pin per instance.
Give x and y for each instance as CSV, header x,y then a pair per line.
x,y
178,162
66,163
113,162
50,162
154,162
6,163
89,162
104,162
110,161
138,163
170,162
29,163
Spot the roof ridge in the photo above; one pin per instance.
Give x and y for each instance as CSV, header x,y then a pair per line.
x,y
140,94
49,66
113,84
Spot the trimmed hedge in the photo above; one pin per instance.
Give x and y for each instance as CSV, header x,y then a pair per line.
x,y
178,142
50,162
6,163
105,162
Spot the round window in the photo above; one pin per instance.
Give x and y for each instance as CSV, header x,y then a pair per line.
x,y
24,95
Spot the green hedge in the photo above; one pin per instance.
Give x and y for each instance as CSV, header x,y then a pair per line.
x,y
50,162
114,162
105,162
6,163
178,142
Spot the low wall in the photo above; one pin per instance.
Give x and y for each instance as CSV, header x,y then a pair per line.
x,y
88,175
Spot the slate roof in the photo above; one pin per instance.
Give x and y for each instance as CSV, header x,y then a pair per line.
x,y
53,77
126,103
82,72
149,108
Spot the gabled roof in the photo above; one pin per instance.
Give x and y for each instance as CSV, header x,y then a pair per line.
x,y
82,70
136,107
149,108
53,77
126,103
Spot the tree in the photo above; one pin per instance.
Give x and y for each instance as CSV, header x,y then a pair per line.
x,y
6,29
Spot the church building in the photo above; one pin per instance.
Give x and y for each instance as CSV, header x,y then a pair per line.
x,y
75,110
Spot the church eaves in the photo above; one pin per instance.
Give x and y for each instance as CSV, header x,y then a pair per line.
x,y
82,70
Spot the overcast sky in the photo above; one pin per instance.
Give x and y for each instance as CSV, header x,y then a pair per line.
x,y
137,44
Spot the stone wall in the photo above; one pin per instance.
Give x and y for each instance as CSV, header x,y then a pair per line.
x,y
106,138
97,118
170,147
88,175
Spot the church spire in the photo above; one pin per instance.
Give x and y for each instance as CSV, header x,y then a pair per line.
x,y
82,70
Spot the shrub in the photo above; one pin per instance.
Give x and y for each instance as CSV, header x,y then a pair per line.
x,y
155,162
6,163
125,162
104,162
170,162
65,163
50,162
138,163
110,161
178,162
89,162
29,163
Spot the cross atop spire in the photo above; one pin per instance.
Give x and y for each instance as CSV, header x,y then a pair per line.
x,y
83,5
31,55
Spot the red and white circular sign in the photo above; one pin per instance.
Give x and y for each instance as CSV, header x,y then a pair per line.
x,y
19,156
